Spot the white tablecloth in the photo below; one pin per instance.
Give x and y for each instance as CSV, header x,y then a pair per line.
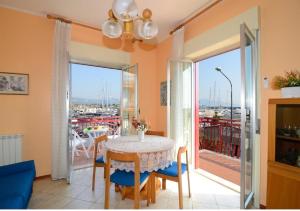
x,y
155,152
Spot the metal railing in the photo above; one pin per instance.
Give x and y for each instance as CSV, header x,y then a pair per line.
x,y
220,135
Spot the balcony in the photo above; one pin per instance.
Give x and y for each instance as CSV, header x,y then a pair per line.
x,y
80,124
219,147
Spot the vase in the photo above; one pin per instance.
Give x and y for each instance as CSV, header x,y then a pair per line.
x,y
290,92
141,135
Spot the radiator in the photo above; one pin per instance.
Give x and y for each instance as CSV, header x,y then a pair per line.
x,y
10,149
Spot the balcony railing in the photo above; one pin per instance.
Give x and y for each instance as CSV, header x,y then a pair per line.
x,y
215,133
220,135
80,124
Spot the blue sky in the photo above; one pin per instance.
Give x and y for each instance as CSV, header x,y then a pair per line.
x,y
230,65
88,81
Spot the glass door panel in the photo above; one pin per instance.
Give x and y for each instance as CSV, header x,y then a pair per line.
x,y
129,101
180,108
248,102
70,137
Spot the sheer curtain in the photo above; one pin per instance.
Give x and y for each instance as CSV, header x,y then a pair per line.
x,y
60,106
180,94
129,99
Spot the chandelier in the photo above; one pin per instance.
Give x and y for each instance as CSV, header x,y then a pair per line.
x,y
124,21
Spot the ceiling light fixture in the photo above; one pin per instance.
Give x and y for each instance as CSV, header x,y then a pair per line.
x,y
124,21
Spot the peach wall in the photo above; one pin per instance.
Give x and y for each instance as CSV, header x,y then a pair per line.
x,y
26,47
280,49
148,91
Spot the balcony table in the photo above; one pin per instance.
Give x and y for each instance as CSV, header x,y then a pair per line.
x,y
156,152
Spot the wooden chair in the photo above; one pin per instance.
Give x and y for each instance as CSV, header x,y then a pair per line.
x,y
98,161
155,133
175,172
129,179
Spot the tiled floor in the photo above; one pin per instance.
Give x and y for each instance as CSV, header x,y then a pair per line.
x,y
57,194
81,161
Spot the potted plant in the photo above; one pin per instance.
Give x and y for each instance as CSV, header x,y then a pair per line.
x,y
289,84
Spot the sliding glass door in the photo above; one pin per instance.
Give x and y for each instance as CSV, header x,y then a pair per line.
x,y
69,138
129,99
248,102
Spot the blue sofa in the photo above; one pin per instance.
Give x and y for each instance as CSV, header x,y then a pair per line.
x,y
16,182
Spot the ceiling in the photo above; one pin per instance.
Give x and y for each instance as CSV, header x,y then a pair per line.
x,y
167,13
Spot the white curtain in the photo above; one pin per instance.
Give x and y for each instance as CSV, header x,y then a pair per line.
x,y
180,93
178,44
60,90
176,120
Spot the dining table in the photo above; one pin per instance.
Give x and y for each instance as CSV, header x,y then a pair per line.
x,y
155,152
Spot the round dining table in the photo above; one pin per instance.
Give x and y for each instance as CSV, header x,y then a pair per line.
x,y
155,152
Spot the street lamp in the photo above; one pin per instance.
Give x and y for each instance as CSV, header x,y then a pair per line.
x,y
220,71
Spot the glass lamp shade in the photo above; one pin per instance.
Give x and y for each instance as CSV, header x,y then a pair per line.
x,y
112,29
125,10
137,27
147,30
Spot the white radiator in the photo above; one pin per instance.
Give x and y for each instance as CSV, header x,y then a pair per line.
x,y
10,149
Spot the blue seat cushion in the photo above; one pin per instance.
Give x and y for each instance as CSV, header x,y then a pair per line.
x,y
100,159
124,178
16,189
172,170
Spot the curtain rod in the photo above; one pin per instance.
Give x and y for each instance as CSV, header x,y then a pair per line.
x,y
195,16
55,17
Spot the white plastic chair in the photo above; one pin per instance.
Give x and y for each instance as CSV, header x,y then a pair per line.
x,y
77,141
92,135
116,133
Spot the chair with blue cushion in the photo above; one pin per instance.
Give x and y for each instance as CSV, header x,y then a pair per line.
x,y
174,173
98,160
135,179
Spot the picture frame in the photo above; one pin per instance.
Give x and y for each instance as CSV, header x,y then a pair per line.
x,y
14,83
163,93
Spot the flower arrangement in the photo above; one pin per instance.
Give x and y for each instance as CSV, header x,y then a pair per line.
x,y
142,126
139,125
291,79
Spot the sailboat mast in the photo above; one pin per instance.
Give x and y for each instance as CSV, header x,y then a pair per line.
x,y
209,101
214,95
219,98
106,95
102,96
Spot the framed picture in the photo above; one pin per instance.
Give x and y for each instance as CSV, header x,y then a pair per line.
x,y
163,93
14,83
